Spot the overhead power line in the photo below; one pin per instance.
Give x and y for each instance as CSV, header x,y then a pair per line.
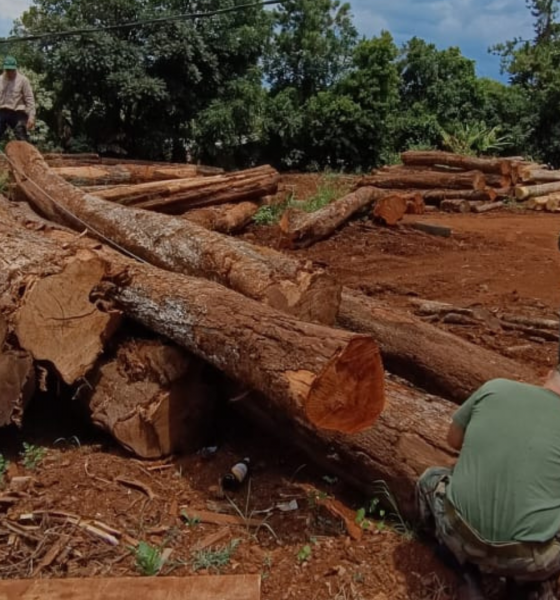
x,y
132,24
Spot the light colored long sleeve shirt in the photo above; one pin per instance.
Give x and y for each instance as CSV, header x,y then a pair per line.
x,y
16,94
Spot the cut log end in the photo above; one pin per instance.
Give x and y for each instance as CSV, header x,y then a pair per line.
x,y
348,396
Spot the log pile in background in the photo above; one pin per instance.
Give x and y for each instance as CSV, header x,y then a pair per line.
x,y
458,183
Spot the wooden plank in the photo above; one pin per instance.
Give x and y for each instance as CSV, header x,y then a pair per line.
x,y
226,587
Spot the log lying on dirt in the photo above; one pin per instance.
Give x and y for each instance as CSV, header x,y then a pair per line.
x,y
459,206
486,207
123,173
179,195
152,398
391,208
226,218
178,245
408,437
431,158
301,229
431,358
407,179
323,377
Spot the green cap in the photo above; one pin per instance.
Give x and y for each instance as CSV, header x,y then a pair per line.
x,y
10,64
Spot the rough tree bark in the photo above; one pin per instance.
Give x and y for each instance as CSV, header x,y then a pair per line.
x,y
178,245
124,173
522,192
459,205
391,208
323,377
430,158
177,196
432,358
408,438
435,197
301,229
406,179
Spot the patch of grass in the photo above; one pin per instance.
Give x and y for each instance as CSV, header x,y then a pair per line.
x,y
383,497
32,456
214,560
149,560
270,214
330,188
247,514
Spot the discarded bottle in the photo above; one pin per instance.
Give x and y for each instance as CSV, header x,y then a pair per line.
x,y
237,475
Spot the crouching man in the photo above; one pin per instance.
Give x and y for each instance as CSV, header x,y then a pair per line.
x,y
498,510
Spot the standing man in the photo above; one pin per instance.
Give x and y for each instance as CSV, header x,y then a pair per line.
x,y
17,103
498,509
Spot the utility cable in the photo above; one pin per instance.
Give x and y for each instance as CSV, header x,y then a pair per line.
x,y
69,213
132,24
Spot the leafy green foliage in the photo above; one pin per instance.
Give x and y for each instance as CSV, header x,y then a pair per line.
x,y
214,560
32,456
475,138
149,560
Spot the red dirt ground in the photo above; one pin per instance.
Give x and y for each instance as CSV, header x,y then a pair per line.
x,y
505,261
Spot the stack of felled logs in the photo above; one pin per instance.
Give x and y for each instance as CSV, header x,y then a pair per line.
x,y
451,182
152,321
224,202
538,188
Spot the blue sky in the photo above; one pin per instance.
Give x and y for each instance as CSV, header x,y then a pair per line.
x,y
473,25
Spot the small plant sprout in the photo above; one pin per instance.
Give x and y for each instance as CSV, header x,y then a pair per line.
x,y
304,554
214,560
193,521
32,456
149,559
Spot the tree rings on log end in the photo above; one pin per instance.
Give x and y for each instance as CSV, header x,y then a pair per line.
x,y
349,394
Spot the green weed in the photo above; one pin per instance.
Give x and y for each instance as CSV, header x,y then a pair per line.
x,y
149,560
384,498
270,214
304,554
214,560
32,456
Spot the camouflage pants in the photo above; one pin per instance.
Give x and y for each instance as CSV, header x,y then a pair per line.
x,y
522,561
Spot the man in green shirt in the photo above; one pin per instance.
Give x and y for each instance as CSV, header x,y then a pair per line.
x,y
499,507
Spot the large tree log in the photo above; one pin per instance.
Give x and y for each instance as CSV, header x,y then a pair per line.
x,y
226,218
152,398
522,192
430,158
537,175
391,208
406,179
124,173
432,358
322,377
179,195
408,438
301,229
178,245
